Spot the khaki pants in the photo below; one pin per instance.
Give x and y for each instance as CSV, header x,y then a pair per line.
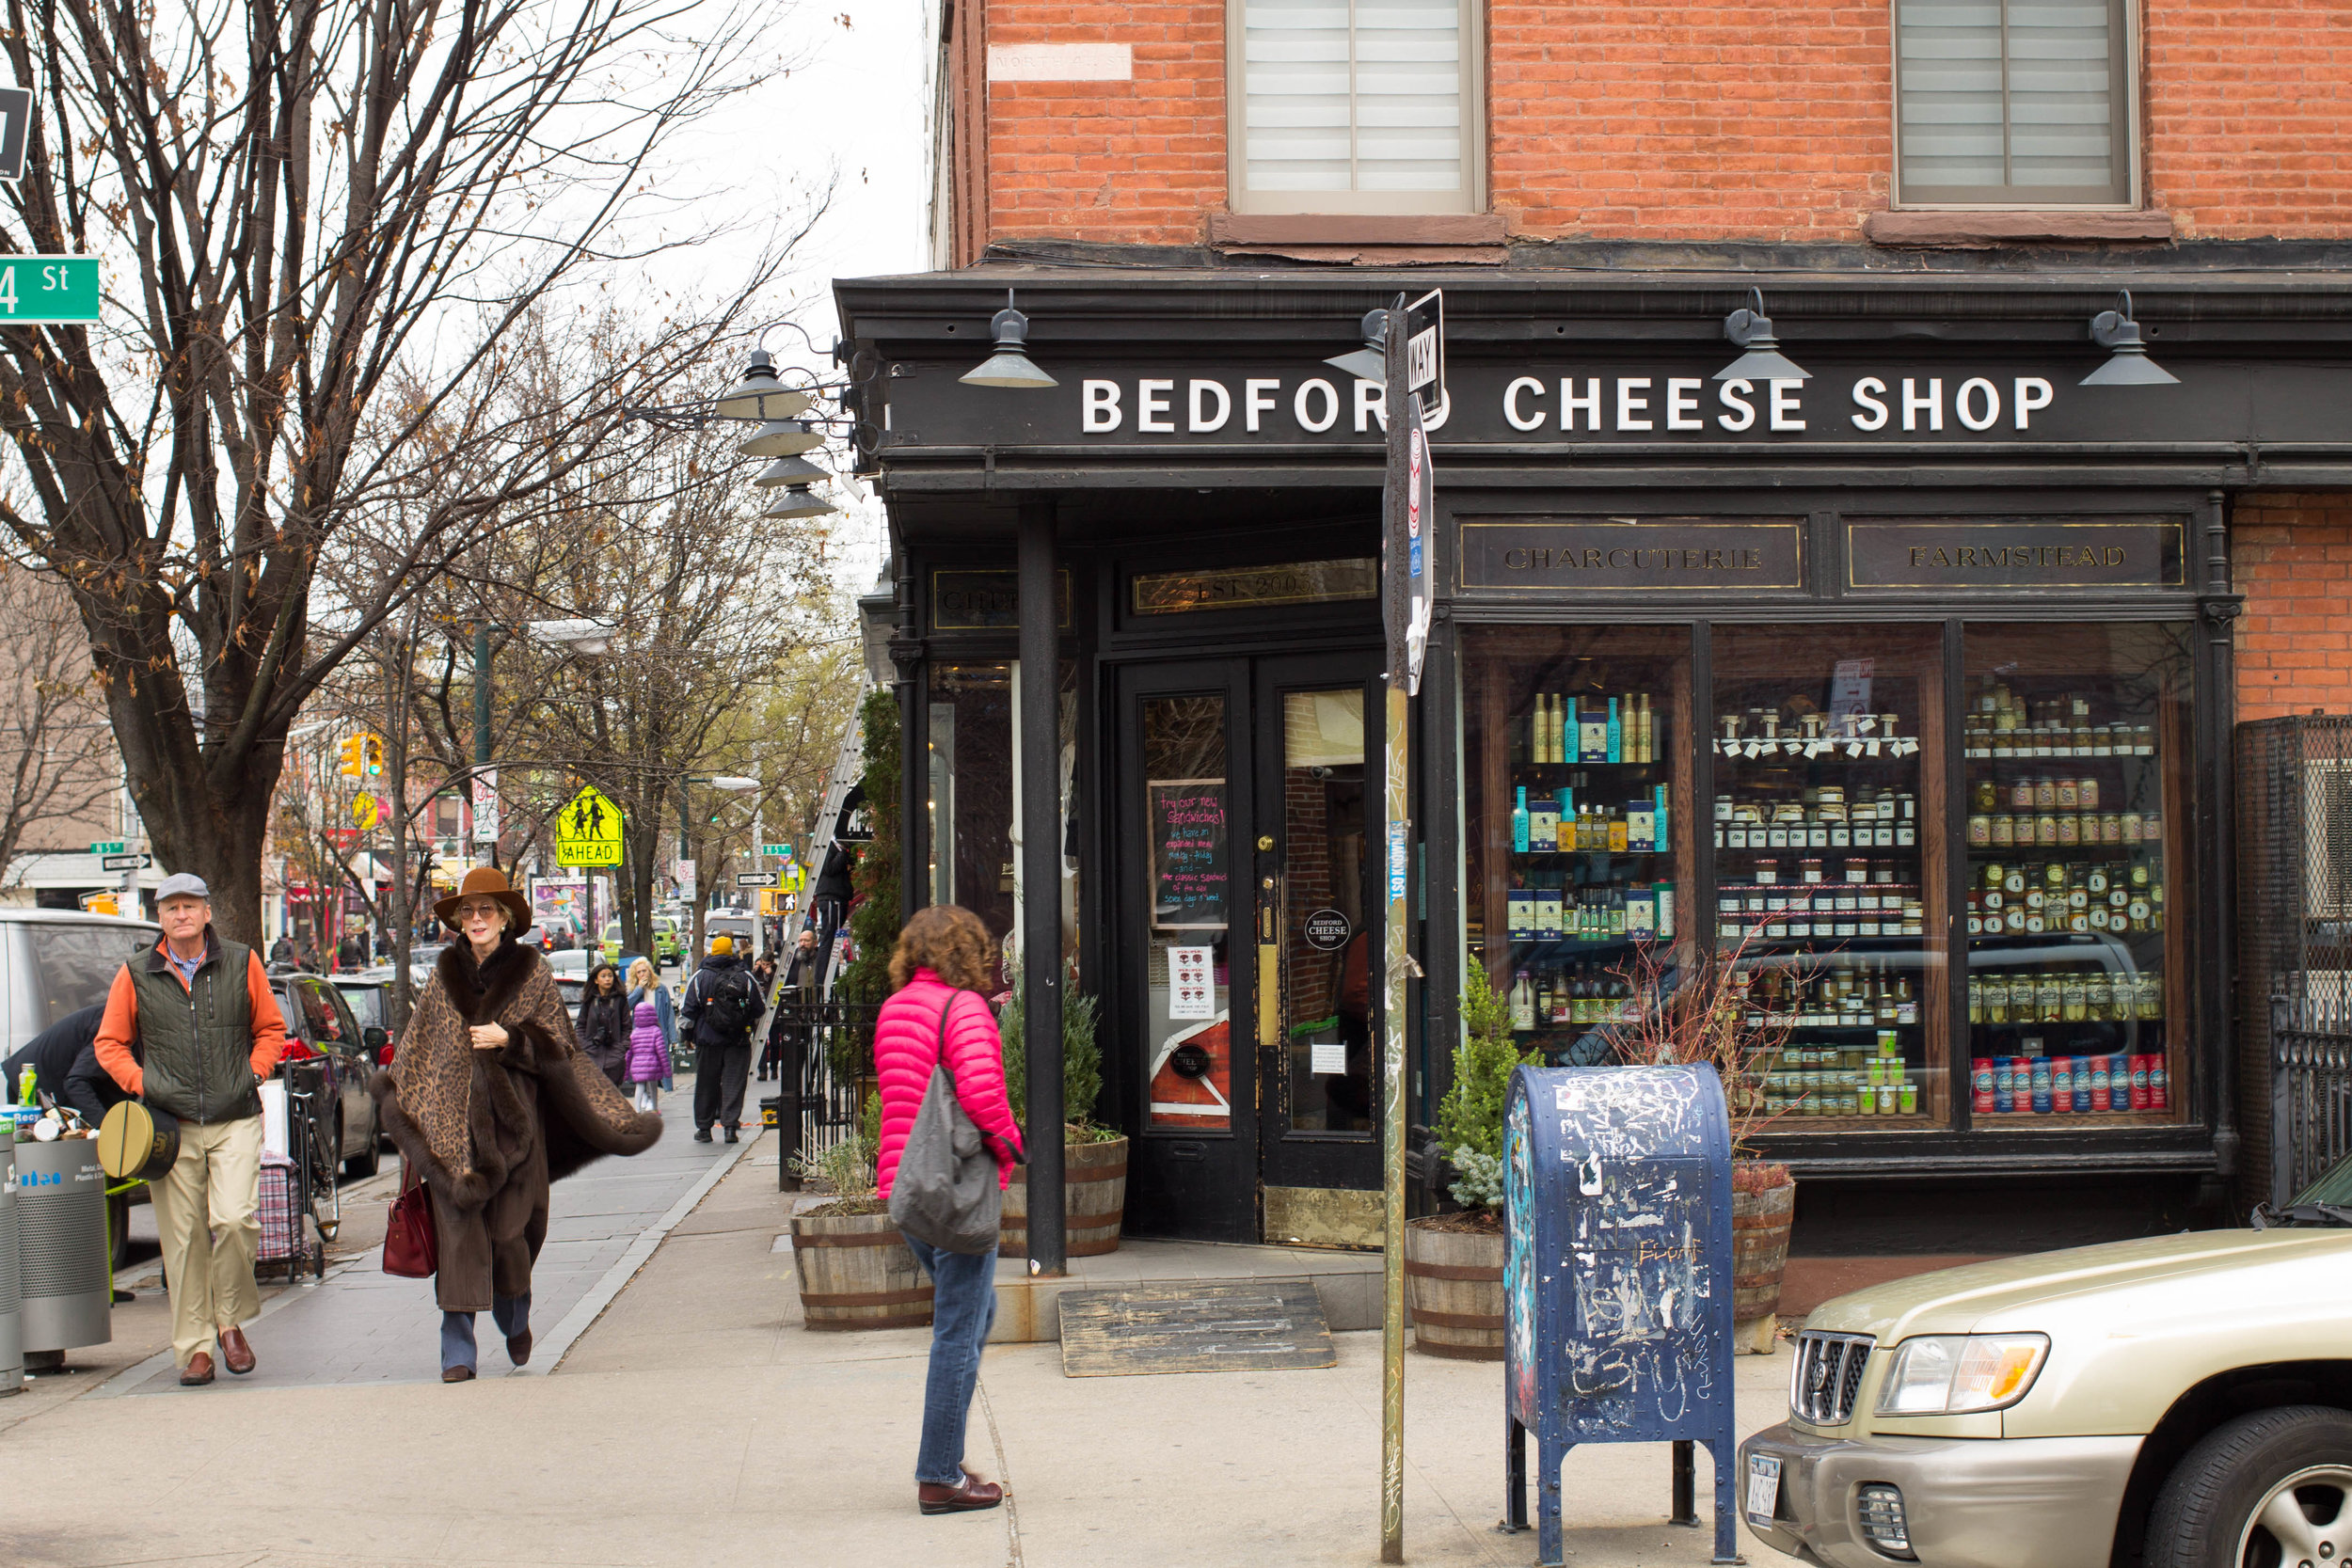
x,y
207,1210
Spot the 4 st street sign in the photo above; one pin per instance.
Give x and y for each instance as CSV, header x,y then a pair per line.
x,y
50,290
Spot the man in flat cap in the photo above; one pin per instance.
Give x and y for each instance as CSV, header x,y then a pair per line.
x,y
193,1028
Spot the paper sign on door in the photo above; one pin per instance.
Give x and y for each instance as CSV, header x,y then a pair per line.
x,y
1191,982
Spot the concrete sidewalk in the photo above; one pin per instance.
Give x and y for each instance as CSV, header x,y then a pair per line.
x,y
698,1423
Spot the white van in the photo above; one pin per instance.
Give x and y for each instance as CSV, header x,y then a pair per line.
x,y
58,962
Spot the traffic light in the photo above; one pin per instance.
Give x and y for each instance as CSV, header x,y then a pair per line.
x,y
351,749
372,754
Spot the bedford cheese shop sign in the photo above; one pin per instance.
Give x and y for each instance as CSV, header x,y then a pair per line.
x,y
1957,401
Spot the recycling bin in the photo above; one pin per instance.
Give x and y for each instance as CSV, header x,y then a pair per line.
x,y
61,1252
11,1298
1617,1280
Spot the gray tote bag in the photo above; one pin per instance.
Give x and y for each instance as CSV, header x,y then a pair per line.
x,y
946,1192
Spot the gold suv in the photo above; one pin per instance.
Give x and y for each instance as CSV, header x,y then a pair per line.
x,y
2182,1402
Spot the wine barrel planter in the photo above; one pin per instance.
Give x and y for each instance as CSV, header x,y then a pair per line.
x,y
1761,1211
854,1272
1094,1200
1454,1292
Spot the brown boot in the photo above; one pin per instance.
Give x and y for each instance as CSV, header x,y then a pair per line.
x,y
234,1352
198,1371
974,1495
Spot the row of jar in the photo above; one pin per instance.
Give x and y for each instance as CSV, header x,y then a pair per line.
x,y
2062,829
2042,792
1980,739
1798,914
2069,996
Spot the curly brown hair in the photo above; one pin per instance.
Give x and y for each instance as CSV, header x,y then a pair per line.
x,y
949,940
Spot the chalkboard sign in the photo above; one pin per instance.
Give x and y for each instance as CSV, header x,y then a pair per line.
x,y
1187,828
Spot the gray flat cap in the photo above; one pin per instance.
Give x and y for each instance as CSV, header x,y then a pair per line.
x,y
184,884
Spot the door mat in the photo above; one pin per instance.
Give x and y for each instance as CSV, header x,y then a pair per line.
x,y
1225,1326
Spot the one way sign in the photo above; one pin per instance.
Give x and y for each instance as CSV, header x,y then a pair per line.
x,y
758,878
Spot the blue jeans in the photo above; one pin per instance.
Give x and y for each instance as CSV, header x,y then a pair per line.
x,y
963,1304
510,1313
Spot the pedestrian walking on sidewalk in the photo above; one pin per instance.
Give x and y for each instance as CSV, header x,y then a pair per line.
x,y
490,1100
653,1029
192,1027
938,1016
604,1023
721,1005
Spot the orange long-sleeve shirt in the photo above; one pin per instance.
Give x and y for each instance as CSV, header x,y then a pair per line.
x,y
119,1026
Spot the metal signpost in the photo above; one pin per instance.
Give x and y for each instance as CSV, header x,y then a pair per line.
x,y
1617,1280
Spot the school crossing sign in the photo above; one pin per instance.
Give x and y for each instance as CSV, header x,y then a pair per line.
x,y
588,831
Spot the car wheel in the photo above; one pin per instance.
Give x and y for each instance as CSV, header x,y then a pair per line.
x,y
364,1163
2269,1490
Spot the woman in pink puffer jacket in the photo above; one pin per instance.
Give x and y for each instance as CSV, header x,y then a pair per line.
x,y
938,1015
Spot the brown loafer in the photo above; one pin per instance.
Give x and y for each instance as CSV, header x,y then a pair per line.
x,y
974,1495
235,1354
518,1348
456,1374
198,1371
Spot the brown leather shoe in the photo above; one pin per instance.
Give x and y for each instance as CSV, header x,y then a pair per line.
x,y
198,1371
974,1495
456,1374
518,1348
235,1354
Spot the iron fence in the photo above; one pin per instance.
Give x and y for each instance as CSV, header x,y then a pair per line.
x,y
828,1051
2294,946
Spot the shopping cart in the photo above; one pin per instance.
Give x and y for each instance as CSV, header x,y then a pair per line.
x,y
301,1205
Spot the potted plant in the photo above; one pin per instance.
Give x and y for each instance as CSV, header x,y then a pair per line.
x,y
1698,1013
852,1265
1454,1261
1094,1158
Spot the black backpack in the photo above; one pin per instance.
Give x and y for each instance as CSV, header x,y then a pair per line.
x,y
731,1004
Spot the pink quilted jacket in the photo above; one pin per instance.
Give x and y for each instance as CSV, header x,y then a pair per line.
x,y
906,1048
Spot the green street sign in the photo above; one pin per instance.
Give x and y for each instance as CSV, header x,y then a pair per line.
x,y
39,289
106,847
777,852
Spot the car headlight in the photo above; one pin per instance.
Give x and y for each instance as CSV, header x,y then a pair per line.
x,y
1951,1374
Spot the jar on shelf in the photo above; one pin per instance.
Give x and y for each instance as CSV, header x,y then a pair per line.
x,y
2087,792
2133,827
1809,869
2020,795
2070,829
2069,794
2046,833
1984,796
1979,830
2143,740
2045,793
2003,833
2148,1001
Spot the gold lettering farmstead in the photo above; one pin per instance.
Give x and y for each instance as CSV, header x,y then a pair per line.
x,y
2060,554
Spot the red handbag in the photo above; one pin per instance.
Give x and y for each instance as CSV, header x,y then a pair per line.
x,y
412,1248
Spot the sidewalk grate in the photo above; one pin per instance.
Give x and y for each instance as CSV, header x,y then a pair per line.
x,y
1255,1325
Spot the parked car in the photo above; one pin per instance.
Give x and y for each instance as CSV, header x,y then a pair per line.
x,y
668,945
58,962
2180,1401
320,1025
570,968
742,927
370,993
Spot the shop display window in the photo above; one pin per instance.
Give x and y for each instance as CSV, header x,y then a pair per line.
x,y
2075,742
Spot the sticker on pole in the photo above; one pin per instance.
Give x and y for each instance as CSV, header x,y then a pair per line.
x,y
588,831
1419,505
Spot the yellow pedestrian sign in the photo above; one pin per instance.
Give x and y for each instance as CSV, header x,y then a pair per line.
x,y
588,831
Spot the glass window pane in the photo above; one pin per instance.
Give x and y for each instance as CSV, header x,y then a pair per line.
x,y
2011,98
1188,909
1325,948
1828,758
970,807
2077,742
1343,97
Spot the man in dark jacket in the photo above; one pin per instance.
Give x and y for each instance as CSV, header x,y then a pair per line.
x,y
208,1029
721,1005
64,1059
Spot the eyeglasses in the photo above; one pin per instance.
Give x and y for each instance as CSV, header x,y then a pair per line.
x,y
481,912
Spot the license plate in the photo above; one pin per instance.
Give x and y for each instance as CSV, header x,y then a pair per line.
x,y
1763,1488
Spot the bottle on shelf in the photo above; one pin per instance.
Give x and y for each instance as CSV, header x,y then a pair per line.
x,y
1522,833
1543,823
1614,741
1522,1003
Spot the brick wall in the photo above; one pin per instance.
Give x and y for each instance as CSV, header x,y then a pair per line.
x,y
2291,555
1612,120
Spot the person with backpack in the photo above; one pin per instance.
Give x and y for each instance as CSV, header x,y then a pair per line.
x,y
721,1005
938,1017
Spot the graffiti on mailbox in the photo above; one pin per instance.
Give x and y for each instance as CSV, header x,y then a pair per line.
x,y
1518,1264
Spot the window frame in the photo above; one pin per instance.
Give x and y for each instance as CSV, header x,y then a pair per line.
x,y
2125,58
1469,199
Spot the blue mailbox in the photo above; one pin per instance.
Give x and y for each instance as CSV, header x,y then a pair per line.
x,y
1618,1187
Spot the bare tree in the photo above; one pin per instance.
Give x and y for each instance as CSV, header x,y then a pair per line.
x,y
57,759
330,222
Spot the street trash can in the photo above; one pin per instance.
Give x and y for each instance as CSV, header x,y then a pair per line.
x,y
62,1262
1617,1280
11,1295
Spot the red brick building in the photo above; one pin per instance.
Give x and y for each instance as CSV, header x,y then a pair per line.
x,y
1911,658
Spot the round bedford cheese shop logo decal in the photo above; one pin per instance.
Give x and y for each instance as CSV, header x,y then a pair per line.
x,y
1327,930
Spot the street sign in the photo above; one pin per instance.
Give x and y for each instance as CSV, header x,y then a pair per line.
x,y
758,878
108,846
776,851
49,289
16,130
588,831
126,863
367,810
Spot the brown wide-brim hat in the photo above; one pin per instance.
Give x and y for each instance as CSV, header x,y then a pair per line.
x,y
485,881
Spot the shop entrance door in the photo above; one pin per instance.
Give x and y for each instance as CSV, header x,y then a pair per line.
x,y
1247,961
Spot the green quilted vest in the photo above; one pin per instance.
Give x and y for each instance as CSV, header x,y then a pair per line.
x,y
196,1043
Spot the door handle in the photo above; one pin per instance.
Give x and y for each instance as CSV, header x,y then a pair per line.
x,y
1269,999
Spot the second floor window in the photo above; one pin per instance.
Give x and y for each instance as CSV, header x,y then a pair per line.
x,y
2013,102
1354,106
